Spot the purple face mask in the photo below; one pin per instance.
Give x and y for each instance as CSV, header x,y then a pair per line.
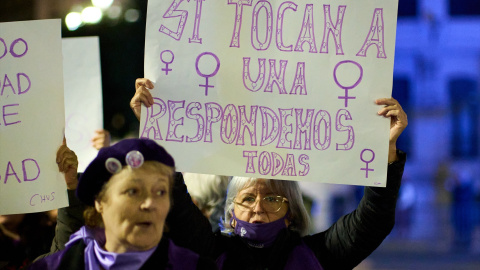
x,y
259,235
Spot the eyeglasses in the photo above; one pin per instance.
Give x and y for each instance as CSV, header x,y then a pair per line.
x,y
270,204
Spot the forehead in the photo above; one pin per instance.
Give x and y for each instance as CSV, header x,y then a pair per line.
x,y
256,186
142,174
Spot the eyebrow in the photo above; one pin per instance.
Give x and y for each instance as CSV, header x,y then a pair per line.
x,y
265,194
159,179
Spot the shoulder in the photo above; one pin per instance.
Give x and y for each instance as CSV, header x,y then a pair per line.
x,y
175,251
58,260
183,258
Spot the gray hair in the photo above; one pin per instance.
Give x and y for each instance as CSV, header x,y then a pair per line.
x,y
208,190
299,217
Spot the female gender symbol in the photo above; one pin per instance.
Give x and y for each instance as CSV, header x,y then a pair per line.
x,y
366,169
346,88
166,69
206,85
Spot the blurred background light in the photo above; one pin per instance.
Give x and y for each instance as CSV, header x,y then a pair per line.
x,y
114,12
91,15
76,8
73,20
103,4
132,15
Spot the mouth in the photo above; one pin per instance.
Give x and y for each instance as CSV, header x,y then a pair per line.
x,y
144,224
258,222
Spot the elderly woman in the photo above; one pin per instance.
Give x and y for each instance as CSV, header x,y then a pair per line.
x,y
266,224
127,190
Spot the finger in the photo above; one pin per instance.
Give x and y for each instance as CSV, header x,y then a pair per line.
x,y
383,111
143,82
97,136
140,81
143,96
144,92
392,113
61,152
66,154
67,163
71,161
149,84
98,145
386,101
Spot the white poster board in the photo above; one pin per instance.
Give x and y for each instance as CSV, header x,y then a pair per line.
x,y
272,89
32,118
83,96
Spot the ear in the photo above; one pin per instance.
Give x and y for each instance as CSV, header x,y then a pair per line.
x,y
288,219
233,223
98,207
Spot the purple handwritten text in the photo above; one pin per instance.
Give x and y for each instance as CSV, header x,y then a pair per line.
x,y
39,198
288,128
273,164
29,167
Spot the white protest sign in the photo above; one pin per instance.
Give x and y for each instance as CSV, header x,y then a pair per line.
x,y
83,96
272,89
32,116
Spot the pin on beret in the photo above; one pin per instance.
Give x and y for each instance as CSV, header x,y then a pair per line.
x,y
110,160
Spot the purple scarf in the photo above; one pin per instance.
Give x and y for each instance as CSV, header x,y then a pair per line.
x,y
259,235
97,258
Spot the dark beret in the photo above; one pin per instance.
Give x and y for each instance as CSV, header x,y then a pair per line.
x,y
112,159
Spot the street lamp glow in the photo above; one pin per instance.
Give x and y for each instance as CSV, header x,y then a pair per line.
x,y
132,15
73,20
114,12
91,15
103,4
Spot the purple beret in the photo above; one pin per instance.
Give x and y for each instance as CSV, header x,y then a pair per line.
x,y
111,159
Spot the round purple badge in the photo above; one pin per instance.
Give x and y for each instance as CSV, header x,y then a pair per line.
x,y
134,159
113,165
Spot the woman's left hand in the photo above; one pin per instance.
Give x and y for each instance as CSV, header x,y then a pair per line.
x,y
398,122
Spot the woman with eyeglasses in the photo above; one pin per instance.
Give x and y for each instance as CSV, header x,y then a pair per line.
x,y
266,223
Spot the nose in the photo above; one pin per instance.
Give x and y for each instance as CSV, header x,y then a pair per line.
x,y
147,204
258,207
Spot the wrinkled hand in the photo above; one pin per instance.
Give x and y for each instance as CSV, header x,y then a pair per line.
x,y
142,95
101,139
398,122
68,164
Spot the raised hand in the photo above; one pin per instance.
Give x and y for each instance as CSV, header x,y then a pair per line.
x,y
398,122
142,95
68,164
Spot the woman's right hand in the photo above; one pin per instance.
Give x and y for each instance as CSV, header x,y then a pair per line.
x,y
67,162
142,95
